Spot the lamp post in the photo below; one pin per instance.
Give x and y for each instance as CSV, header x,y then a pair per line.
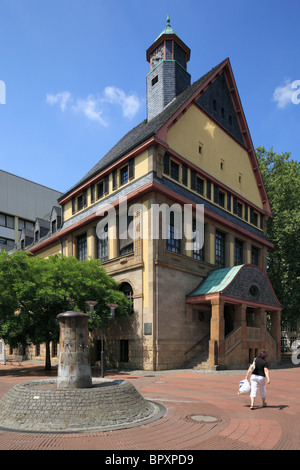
x,y
112,314
91,304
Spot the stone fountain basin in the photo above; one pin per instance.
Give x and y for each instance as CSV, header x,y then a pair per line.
x,y
39,406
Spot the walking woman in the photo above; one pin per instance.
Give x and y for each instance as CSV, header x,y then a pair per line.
x,y
260,376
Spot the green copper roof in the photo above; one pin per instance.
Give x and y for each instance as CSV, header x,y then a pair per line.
x,y
167,30
216,281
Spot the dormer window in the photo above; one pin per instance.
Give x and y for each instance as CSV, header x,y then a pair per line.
x,y
53,226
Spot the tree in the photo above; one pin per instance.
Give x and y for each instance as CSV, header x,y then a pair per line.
x,y
34,290
281,176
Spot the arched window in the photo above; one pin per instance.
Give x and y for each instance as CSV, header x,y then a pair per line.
x,y
127,290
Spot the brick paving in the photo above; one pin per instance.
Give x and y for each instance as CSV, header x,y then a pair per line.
x,y
187,395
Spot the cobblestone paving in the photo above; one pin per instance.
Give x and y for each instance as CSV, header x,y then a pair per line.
x,y
187,395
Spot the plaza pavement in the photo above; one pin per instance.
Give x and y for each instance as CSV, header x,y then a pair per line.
x,y
203,412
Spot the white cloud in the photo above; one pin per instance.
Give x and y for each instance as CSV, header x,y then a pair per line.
x,y
93,107
130,103
90,107
283,94
60,98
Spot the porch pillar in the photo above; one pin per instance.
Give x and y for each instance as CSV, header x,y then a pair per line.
x,y
276,331
262,324
240,320
217,333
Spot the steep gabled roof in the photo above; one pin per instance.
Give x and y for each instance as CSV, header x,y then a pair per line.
x,y
142,132
159,126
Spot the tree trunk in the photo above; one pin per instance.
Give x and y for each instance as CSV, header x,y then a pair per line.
x,y
48,357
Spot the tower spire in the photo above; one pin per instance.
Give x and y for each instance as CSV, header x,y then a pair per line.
x,y
168,76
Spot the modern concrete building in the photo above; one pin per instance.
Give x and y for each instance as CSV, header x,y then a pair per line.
x,y
210,304
21,202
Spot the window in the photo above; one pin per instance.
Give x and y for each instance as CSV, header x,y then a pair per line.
x,y
124,175
6,241
92,193
237,207
102,244
174,171
54,349
82,247
221,199
106,184
84,198
220,249
154,80
124,350
173,242
53,226
208,189
80,202
125,241
114,179
238,253
254,255
219,196
73,205
199,186
127,290
193,180
228,202
7,221
198,253
253,217
261,221
184,175
166,164
100,191
25,224
239,211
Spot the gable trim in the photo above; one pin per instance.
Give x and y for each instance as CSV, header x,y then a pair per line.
x,y
226,68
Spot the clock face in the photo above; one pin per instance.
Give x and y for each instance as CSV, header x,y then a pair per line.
x,y
157,55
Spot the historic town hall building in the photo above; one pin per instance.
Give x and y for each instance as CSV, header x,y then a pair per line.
x,y
193,305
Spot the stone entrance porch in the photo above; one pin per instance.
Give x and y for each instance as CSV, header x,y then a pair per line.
x,y
245,315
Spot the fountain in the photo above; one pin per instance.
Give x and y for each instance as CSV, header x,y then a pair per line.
x,y
75,402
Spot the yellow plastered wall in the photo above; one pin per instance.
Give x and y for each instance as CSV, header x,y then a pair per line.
x,y
195,129
140,169
54,249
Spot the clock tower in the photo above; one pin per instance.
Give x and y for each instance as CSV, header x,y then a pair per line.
x,y
168,76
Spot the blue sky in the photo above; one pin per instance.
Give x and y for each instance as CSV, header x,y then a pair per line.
x,y
73,74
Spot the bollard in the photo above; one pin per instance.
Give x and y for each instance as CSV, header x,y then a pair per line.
x,y
74,369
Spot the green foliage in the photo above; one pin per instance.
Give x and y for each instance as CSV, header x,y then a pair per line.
x,y
34,290
281,177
